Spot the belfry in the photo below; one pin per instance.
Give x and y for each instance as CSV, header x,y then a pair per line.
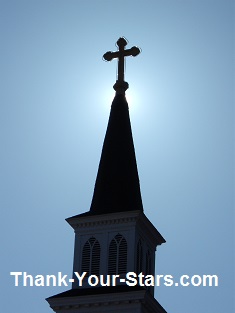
x,y
114,237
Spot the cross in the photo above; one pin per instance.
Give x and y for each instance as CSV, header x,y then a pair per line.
x,y
120,55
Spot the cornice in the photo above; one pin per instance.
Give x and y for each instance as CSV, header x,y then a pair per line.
x,y
104,219
101,301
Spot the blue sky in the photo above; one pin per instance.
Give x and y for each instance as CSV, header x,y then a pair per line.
x,y
55,98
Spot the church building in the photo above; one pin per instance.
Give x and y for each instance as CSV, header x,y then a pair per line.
x,y
114,237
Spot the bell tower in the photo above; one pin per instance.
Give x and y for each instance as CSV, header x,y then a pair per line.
x,y
114,237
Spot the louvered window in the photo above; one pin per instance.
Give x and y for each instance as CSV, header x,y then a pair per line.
x,y
139,257
117,263
91,257
148,263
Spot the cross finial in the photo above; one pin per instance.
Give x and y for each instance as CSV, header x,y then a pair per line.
x,y
121,86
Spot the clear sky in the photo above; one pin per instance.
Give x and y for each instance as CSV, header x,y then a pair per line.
x,y
55,98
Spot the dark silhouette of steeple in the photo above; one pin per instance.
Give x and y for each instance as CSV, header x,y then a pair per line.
x,y
115,236
117,184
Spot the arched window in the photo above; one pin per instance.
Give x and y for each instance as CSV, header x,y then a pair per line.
x,y
148,263
139,257
91,257
117,263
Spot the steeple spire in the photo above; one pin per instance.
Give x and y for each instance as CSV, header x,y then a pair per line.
x,y
117,184
121,86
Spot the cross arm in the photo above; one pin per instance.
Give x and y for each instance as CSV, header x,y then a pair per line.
x,y
134,51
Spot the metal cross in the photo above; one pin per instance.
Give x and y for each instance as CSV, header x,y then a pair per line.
x,y
120,55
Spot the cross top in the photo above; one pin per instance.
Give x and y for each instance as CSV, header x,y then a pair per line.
x,y
121,86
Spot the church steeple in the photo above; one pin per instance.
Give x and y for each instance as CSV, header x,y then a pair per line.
x,y
115,237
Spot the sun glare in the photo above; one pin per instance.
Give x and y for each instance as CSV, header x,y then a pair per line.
x,y
108,99
132,96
